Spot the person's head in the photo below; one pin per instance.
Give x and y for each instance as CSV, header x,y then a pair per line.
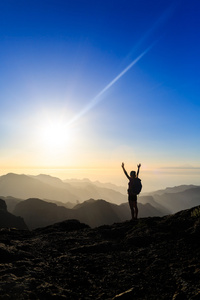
x,y
133,174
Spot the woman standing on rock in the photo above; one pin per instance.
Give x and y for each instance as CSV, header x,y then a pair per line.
x,y
134,189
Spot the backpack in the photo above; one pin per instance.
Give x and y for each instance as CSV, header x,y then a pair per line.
x,y
135,186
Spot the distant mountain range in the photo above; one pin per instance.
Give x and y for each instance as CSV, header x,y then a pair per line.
x,y
39,213
52,188
175,189
82,183
44,200
174,199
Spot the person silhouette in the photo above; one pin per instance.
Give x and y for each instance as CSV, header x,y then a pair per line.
x,y
132,197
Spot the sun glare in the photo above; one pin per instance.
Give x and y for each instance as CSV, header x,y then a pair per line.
x,y
54,136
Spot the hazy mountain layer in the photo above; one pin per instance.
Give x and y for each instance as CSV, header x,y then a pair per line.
x,y
175,189
153,258
180,200
83,182
23,186
63,196
48,187
177,199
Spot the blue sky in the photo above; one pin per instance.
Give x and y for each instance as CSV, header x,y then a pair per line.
x,y
56,58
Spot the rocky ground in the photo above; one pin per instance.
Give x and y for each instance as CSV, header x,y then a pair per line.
x,y
152,258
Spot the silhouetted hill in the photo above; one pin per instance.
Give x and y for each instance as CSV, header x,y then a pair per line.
x,y
39,213
59,203
96,213
152,258
156,204
11,202
8,220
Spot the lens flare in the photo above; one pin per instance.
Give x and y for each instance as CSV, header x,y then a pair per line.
x,y
98,98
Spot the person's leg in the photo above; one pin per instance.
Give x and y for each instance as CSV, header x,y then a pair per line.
x,y
135,209
132,208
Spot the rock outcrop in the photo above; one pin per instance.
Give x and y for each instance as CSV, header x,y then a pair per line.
x,y
151,258
9,220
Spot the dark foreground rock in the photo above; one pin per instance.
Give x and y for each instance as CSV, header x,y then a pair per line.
x,y
152,258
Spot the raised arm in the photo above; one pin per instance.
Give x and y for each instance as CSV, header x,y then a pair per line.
x,y
138,169
125,171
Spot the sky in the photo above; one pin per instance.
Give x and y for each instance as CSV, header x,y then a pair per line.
x,y
86,85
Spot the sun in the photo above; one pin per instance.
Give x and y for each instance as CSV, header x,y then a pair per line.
x,y
54,135
55,141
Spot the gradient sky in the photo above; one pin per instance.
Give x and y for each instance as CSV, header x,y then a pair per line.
x,y
85,85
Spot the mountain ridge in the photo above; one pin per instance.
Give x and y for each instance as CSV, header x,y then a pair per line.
x,y
9,220
39,213
163,202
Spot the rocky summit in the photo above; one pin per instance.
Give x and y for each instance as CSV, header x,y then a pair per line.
x,y
150,258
